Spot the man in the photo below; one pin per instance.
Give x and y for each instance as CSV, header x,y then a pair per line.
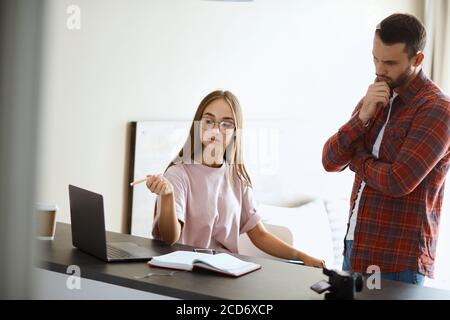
x,y
397,143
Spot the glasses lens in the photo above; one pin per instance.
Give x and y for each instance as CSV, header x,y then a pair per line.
x,y
207,123
226,125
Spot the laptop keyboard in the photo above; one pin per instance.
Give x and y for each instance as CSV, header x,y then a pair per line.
x,y
114,252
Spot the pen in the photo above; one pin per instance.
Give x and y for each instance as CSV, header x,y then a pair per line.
x,y
135,182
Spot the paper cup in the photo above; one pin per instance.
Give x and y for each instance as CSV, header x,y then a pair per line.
x,y
46,221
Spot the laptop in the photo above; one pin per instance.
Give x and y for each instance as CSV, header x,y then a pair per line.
x,y
88,229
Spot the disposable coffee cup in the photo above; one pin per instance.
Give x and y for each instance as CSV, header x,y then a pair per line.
x,y
46,221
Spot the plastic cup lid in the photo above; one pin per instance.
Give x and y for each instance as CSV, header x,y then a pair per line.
x,y
47,207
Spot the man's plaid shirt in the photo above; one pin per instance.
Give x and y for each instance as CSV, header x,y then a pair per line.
x,y
400,206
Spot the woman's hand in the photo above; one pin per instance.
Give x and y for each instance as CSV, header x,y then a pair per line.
x,y
313,262
159,185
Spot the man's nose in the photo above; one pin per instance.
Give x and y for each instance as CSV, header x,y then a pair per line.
x,y
380,69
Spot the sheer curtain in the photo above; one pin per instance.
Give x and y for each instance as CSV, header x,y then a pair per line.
x,y
437,22
437,67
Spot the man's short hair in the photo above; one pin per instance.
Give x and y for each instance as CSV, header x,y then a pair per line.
x,y
403,28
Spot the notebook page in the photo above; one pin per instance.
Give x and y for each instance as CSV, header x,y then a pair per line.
x,y
178,259
225,262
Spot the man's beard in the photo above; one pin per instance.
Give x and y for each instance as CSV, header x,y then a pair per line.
x,y
400,81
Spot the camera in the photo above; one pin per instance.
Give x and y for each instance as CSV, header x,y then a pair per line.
x,y
341,285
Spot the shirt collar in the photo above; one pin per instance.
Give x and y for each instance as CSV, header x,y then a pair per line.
x,y
407,94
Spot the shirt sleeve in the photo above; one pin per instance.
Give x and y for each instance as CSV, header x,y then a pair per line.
x,y
177,177
427,142
249,216
338,150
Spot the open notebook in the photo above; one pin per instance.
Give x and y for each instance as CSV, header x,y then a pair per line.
x,y
188,260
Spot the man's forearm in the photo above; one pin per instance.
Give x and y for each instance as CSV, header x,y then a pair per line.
x,y
339,149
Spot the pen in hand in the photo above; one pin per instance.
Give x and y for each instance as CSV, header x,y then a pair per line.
x,y
157,184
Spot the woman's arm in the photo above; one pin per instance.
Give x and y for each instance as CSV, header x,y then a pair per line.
x,y
274,246
168,224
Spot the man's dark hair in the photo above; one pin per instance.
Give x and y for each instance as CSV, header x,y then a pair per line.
x,y
403,28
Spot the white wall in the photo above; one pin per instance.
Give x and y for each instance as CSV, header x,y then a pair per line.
x,y
307,61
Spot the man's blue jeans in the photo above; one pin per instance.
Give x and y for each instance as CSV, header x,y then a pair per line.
x,y
408,276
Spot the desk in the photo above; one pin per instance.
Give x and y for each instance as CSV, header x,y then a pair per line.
x,y
276,279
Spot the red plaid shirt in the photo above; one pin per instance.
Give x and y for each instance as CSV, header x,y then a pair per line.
x,y
398,218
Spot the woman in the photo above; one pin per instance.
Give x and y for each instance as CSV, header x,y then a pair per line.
x,y
205,196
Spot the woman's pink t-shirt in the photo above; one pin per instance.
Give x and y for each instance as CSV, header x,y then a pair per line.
x,y
214,211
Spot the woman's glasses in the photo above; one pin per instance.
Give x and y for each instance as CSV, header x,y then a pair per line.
x,y
224,125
